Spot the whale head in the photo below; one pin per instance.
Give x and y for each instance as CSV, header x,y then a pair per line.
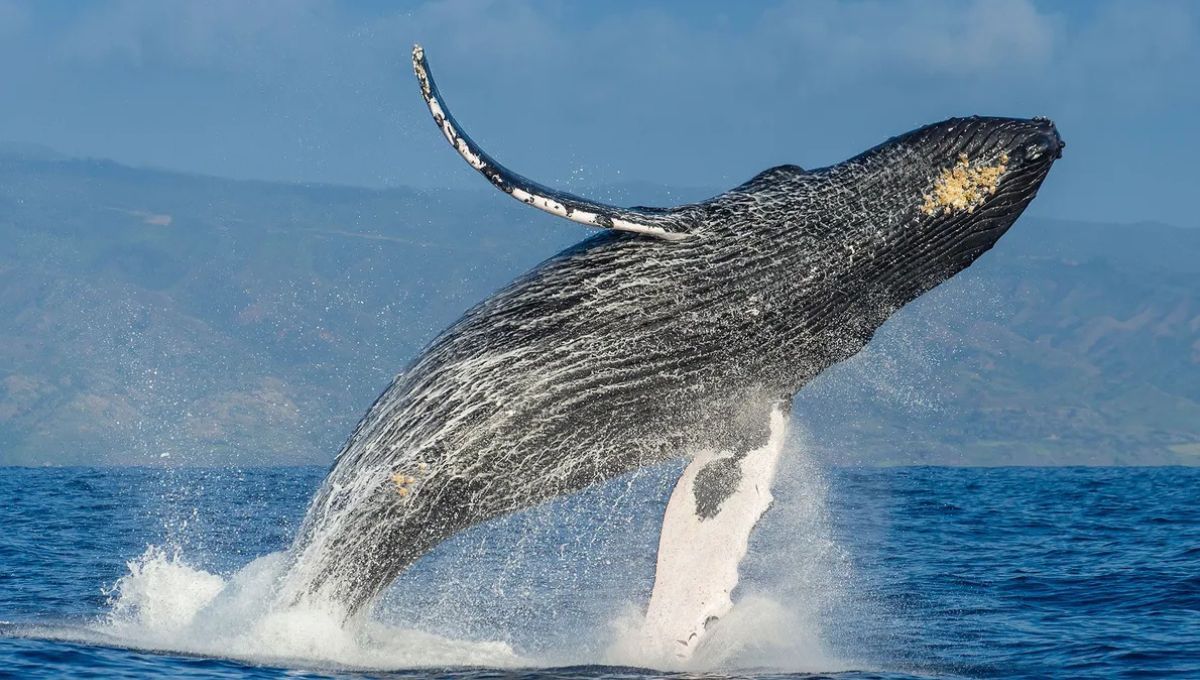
x,y
950,190
900,218
851,243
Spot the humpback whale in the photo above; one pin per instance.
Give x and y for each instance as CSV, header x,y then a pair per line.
x,y
671,331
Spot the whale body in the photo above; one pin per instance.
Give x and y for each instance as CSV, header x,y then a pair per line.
x,y
671,331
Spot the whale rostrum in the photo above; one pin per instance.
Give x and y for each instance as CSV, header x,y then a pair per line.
x,y
672,331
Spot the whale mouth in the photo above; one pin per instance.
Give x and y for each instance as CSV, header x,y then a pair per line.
x,y
1038,148
1047,143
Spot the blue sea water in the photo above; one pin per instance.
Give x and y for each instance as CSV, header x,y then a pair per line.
x,y
855,573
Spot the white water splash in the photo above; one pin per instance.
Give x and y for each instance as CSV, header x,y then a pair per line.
x,y
698,557
759,632
165,604
790,580
796,577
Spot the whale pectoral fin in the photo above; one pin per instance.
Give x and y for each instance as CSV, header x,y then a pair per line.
x,y
666,223
706,528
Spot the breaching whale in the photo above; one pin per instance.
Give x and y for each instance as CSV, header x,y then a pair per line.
x,y
674,330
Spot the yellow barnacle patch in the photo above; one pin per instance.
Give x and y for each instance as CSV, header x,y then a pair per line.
x,y
403,483
964,186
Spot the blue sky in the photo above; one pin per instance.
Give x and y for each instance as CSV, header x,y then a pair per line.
x,y
700,94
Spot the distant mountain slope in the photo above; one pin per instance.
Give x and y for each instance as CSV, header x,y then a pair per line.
x,y
149,316
1068,344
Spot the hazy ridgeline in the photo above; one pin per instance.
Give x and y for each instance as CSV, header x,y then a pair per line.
x,y
150,316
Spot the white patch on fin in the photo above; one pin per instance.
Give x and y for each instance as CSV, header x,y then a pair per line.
x,y
698,558
661,224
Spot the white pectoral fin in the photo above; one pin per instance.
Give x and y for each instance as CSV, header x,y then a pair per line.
x,y
671,224
705,534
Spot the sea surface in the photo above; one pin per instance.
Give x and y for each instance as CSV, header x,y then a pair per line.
x,y
854,573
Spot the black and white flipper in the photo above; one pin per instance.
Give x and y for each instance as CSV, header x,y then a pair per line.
x,y
666,223
706,528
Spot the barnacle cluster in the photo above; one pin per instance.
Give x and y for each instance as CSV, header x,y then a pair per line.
x,y
403,483
964,187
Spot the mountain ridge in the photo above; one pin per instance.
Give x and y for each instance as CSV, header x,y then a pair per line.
x,y
157,317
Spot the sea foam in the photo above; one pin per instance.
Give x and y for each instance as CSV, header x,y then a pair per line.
x,y
791,577
163,603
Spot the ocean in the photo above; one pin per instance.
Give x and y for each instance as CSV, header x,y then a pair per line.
x,y
854,573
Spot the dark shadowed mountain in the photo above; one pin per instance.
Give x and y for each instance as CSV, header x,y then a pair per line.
x,y
150,316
